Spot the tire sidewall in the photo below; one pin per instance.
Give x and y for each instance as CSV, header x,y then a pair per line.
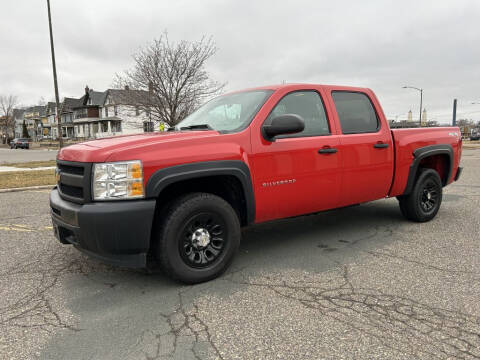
x,y
424,177
174,224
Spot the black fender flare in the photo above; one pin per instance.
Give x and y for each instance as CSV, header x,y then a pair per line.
x,y
167,176
422,153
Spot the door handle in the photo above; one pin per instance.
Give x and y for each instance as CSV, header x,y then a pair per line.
x,y
327,151
380,146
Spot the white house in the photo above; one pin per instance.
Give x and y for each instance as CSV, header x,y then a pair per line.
x,y
112,112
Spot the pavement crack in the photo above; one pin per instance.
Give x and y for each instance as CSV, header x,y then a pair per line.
x,y
420,263
386,317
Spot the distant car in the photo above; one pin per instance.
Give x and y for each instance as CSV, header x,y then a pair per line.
x,y
20,143
475,137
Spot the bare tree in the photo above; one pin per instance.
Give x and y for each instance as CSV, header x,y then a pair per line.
x,y
7,104
465,122
175,77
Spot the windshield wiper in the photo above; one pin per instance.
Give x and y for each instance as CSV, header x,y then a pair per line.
x,y
197,127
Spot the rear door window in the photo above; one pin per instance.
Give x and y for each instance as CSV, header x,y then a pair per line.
x,y
355,112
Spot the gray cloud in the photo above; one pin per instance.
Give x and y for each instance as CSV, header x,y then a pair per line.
x,y
380,44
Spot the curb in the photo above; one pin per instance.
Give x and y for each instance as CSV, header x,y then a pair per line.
x,y
27,188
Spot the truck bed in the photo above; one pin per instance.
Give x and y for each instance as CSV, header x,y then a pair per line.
x,y
406,141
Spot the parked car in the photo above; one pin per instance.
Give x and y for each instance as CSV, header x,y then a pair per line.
x,y
20,143
243,158
475,136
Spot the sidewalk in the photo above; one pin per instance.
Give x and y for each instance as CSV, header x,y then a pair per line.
x,y
14,169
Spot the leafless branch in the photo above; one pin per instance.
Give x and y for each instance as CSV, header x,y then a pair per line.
x,y
7,104
174,74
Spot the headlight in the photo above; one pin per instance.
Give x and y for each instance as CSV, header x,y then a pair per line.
x,y
118,180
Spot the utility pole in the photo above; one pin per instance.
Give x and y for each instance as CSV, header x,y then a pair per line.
x,y
420,115
421,101
454,121
57,100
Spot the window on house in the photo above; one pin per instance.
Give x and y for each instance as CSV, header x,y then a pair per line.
x,y
115,110
356,112
137,111
106,111
148,126
116,126
79,114
104,126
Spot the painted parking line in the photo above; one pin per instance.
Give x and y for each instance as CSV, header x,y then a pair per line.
x,y
23,228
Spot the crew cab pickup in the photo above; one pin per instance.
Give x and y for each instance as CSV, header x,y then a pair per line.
x,y
246,157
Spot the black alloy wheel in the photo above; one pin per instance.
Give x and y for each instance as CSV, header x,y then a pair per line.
x,y
429,196
203,239
197,237
424,201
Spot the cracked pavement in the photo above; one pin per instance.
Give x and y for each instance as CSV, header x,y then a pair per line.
x,y
355,283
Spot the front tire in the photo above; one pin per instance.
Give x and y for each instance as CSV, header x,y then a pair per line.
x,y
198,238
423,203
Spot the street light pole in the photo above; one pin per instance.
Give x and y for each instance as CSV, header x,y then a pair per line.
x,y
454,117
57,100
421,101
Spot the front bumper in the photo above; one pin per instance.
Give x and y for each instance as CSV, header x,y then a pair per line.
x,y
116,232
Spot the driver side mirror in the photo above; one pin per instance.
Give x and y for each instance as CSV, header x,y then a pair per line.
x,y
282,125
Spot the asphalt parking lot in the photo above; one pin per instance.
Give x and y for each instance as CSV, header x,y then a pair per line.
x,y
358,283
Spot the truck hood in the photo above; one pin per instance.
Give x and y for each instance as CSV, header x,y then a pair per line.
x,y
100,150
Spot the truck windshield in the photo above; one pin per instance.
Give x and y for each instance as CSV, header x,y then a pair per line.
x,y
227,113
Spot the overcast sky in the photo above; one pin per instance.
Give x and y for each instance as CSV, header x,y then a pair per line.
x,y
379,44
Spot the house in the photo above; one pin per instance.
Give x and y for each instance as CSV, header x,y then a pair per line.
x,y
131,106
33,116
67,115
88,121
96,114
18,115
50,130
112,112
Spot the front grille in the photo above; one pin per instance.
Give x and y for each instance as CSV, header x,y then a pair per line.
x,y
71,191
74,183
71,169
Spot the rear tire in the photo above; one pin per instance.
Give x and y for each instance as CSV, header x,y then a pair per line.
x,y
423,203
198,238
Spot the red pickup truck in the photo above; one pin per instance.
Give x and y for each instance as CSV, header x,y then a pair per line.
x,y
243,158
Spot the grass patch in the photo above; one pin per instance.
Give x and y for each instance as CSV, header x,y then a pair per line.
x,y
31,164
472,145
17,179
